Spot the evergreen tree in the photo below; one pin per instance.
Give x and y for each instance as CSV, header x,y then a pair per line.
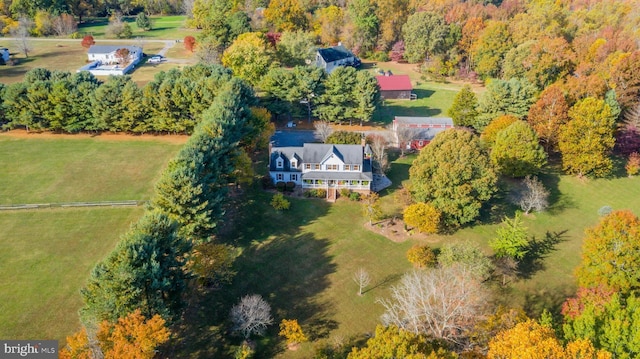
x,y
463,110
143,272
143,21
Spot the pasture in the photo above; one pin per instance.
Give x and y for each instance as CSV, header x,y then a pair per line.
x,y
48,254
163,27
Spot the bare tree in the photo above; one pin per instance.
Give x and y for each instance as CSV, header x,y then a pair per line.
x,y
64,25
323,130
632,116
362,279
403,136
444,303
187,8
208,53
251,316
533,195
380,159
21,35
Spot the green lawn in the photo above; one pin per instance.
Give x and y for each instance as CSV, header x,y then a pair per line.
x,y
302,261
68,170
46,258
70,56
163,27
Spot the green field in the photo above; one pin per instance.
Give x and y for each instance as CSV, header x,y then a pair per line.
x,y
48,253
72,170
46,258
302,260
163,27
65,55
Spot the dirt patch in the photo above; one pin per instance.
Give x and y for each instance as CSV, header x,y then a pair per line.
x,y
394,230
106,136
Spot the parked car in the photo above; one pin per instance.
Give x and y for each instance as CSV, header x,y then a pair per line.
x,y
155,60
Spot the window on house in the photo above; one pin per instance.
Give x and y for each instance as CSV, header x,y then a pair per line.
x,y
279,163
294,177
347,167
421,143
294,164
332,167
307,166
279,177
356,167
317,166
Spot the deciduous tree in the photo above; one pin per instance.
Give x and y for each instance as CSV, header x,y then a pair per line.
x,y
421,256
371,207
533,195
296,48
548,114
286,15
491,48
87,41
362,279
423,34
586,140
329,24
249,57
516,152
189,43
490,133
423,216
393,342
610,251
443,303
455,175
292,332
466,254
133,336
252,315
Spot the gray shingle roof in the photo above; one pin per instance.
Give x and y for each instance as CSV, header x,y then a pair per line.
x,y
318,152
425,120
335,53
107,49
287,154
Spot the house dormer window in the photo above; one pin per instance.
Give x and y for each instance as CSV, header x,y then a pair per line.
x,y
294,164
279,163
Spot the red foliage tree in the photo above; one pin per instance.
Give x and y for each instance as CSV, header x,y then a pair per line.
x,y
273,38
626,77
189,43
397,51
597,296
548,114
87,41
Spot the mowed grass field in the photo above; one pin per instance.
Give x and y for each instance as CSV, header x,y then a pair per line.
x,y
48,254
163,27
302,261
69,56
49,170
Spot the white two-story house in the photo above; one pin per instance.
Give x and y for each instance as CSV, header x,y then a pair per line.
x,y
325,166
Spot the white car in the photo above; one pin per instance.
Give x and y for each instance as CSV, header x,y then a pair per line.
x,y
155,60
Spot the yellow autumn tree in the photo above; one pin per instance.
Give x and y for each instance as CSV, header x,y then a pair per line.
x,y
292,332
423,216
531,340
133,336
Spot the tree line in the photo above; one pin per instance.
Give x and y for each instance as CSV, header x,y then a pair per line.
x,y
59,101
148,271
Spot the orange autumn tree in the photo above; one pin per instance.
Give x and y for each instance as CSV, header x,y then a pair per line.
x,y
133,336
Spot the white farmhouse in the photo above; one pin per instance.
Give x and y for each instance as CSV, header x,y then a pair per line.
x,y
106,54
323,166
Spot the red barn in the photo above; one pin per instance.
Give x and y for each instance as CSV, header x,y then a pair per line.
x,y
395,86
416,132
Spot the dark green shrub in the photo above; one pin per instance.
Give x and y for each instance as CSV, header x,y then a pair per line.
x,y
354,196
280,186
290,186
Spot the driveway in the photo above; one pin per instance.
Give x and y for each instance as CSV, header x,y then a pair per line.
x,y
293,138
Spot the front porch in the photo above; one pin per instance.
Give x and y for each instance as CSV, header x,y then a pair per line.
x,y
356,185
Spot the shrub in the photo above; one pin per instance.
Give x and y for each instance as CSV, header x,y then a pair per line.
x,y
280,186
421,256
289,186
380,56
74,35
633,164
316,193
189,43
87,41
345,192
279,203
354,196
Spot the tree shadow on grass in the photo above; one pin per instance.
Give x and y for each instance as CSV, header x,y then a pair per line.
x,y
550,299
287,267
392,278
538,250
